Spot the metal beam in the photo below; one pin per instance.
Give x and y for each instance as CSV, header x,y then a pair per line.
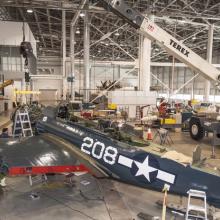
x,y
86,57
65,6
46,14
72,43
161,82
185,84
39,28
116,44
144,64
76,16
105,36
209,59
64,53
49,24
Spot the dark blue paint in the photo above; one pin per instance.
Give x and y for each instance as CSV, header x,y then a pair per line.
x,y
186,177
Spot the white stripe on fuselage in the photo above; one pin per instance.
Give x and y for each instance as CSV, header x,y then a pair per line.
x,y
125,161
162,175
167,177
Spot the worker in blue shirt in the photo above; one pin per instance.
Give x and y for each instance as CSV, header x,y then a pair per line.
x,y
4,133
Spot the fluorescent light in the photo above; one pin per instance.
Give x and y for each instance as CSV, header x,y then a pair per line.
x,y
29,10
77,31
81,14
117,34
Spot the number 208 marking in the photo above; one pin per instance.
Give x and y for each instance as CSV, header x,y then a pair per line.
x,y
99,151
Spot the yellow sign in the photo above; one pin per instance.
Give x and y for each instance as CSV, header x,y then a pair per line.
x,y
26,92
168,121
112,106
194,101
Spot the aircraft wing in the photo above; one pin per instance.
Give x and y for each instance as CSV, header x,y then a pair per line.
x,y
45,151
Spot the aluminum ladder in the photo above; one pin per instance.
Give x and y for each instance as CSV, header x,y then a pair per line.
x,y
22,124
196,208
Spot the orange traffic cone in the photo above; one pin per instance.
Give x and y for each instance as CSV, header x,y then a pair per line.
x,y
149,135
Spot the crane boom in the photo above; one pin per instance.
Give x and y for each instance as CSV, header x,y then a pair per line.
x,y
168,42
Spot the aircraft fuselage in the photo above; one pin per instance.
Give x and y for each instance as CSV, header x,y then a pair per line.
x,y
132,165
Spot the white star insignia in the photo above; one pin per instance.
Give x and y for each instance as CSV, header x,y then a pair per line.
x,y
144,168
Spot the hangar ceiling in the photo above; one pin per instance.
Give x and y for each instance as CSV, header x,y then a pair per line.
x,y
187,20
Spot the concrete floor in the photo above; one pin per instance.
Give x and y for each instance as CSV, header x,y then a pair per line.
x,y
97,200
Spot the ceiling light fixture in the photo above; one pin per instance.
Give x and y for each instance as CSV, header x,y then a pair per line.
x,y
77,31
117,34
29,10
82,14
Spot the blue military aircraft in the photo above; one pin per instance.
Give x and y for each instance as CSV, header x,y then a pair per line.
x,y
131,164
64,146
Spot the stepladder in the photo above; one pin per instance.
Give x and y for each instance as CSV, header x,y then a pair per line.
x,y
195,211
22,124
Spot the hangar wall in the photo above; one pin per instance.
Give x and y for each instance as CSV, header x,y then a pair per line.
x,y
113,71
